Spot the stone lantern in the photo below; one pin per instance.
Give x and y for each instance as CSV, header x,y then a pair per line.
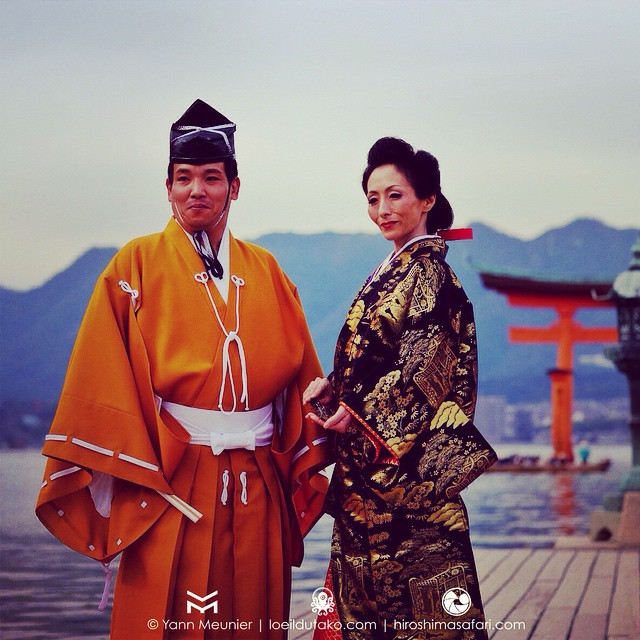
x,y
621,516
626,354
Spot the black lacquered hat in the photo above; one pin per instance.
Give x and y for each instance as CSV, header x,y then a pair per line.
x,y
201,135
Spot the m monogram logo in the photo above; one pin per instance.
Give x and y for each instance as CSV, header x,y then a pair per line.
x,y
192,605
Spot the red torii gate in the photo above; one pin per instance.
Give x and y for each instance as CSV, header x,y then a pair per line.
x,y
565,297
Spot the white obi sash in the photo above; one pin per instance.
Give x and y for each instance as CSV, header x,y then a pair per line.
x,y
221,430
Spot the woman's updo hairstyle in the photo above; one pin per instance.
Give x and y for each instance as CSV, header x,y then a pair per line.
x,y
421,170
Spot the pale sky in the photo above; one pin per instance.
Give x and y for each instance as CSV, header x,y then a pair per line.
x,y
532,108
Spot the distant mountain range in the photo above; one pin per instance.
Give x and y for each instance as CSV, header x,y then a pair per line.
x,y
37,327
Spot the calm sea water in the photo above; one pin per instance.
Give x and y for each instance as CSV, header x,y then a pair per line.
x,y
48,591
510,509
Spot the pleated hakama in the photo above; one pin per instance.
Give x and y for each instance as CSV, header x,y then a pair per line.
x,y
238,549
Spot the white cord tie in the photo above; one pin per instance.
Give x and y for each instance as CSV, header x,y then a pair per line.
x,y
225,487
243,480
224,496
230,337
134,293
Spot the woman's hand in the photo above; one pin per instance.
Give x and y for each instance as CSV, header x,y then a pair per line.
x,y
339,421
319,395
319,390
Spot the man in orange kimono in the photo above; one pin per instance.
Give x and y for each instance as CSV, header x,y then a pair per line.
x,y
180,439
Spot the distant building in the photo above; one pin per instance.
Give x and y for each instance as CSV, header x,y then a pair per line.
x,y
604,422
491,418
522,425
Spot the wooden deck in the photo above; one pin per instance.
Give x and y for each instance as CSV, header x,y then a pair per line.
x,y
589,592
586,591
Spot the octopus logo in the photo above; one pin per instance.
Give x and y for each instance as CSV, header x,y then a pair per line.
x,y
322,601
456,601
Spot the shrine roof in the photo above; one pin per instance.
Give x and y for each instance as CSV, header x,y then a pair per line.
x,y
505,282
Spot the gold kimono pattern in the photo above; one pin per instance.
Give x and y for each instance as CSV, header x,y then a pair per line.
x,y
406,368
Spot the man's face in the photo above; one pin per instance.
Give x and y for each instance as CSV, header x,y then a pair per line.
x,y
198,196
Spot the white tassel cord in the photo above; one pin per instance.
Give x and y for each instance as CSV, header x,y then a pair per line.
x,y
230,336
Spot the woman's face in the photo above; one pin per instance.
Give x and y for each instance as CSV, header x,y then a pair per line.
x,y
394,206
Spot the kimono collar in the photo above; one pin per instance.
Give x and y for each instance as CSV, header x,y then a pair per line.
x,y
415,246
420,243
222,284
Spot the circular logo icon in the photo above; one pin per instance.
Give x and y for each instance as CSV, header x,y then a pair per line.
x,y
456,601
322,601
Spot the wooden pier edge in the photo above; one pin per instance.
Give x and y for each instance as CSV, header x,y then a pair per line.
x,y
577,590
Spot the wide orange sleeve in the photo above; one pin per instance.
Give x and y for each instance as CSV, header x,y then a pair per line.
x,y
107,421
302,449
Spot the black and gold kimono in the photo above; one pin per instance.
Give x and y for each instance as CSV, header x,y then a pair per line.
x,y
406,369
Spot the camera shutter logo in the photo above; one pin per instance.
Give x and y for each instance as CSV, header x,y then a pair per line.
x,y
456,601
192,605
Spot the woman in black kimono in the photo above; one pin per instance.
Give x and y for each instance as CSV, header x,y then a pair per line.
x,y
402,398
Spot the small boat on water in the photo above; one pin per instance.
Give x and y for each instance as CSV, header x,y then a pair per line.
x,y
532,464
